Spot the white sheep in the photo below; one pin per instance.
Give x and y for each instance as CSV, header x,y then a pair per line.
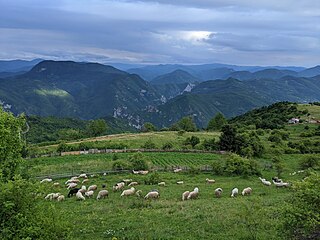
x,y
83,175
180,182
89,193
135,172
234,192
177,170
194,194
210,181
92,187
143,172
102,194
49,196
126,181
118,186
246,191
85,181
55,196
60,198
185,195
133,184
46,180
71,185
162,184
281,184
128,192
72,181
83,189
79,196
152,194
265,182
218,192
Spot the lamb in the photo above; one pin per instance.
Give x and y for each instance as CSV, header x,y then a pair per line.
x,y
89,193
133,184
79,196
135,172
102,194
218,192
55,196
210,181
46,180
246,191
83,175
73,191
92,187
49,196
71,185
265,182
180,182
143,172
72,181
185,195
152,194
60,198
234,192
128,192
162,184
177,170
194,194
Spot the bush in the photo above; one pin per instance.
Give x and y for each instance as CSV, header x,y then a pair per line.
x,y
237,165
193,141
302,214
149,145
121,164
167,146
210,145
22,216
152,179
138,162
217,168
63,147
310,162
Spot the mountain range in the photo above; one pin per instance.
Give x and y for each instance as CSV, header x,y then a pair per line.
x,y
92,90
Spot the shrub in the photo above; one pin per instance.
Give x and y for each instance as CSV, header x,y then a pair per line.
x,y
210,145
236,165
152,179
63,147
138,162
167,146
121,164
217,168
302,214
149,144
193,141
310,162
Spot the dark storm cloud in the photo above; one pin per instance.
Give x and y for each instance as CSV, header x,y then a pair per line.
x,y
241,32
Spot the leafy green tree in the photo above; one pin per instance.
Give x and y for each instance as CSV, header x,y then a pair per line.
x,y
167,146
193,141
228,139
138,161
11,144
210,144
69,134
148,127
149,144
185,124
217,122
96,127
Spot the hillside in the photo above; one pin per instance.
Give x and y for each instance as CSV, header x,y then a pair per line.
x,y
175,77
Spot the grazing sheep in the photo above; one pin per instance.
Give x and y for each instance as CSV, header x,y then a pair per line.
x,y
185,195
85,180
152,194
60,198
234,192
104,174
118,186
276,179
92,187
73,191
176,170
71,185
102,194
143,172
55,196
265,182
210,181
83,189
194,194
49,196
218,192
126,181
46,180
180,182
162,184
56,184
128,192
281,184
72,181
89,193
83,175
139,193
133,184
246,191
135,172
79,196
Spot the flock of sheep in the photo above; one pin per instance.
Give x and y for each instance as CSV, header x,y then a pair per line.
x,y
83,192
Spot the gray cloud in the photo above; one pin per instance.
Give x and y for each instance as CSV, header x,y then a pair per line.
x,y
238,32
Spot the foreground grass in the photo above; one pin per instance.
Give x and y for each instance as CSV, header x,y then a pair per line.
x,y
251,217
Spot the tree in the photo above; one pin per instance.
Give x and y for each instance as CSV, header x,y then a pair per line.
x,y
96,127
148,127
193,141
185,124
228,139
217,122
11,144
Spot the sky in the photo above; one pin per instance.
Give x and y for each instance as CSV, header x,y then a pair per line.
x,y
243,32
